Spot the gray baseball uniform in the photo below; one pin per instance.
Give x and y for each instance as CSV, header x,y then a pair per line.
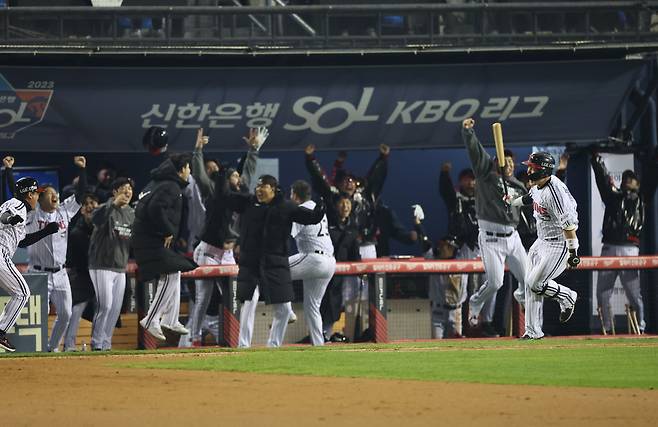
x,y
498,238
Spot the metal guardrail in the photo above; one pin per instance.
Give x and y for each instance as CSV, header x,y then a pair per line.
x,y
330,29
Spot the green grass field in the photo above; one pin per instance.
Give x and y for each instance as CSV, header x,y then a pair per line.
x,y
617,363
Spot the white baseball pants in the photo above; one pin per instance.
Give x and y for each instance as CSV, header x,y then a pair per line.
x,y
109,287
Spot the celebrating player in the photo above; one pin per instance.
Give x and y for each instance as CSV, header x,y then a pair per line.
x,y
49,255
108,257
315,263
265,225
556,246
220,230
13,214
498,238
157,223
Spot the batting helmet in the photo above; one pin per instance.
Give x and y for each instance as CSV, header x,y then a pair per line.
x,y
155,140
541,163
25,185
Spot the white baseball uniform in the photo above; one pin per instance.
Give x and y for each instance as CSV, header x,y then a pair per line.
x,y
315,266
554,211
11,279
205,254
109,287
498,242
48,256
165,306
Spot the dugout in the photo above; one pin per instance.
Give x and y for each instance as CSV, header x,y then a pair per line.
x,y
77,102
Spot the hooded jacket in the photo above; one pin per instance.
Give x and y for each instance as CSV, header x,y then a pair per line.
x,y
159,207
158,215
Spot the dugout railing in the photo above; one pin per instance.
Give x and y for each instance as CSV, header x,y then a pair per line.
x,y
377,272
342,28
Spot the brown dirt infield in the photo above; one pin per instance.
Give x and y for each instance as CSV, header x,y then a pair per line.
x,y
91,391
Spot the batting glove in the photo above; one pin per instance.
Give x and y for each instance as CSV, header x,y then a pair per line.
x,y
573,259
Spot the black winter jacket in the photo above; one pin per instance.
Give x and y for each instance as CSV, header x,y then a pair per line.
x,y
159,208
462,223
158,215
623,218
264,236
345,238
363,210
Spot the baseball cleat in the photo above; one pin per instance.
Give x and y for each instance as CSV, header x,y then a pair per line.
x,y
567,310
473,321
5,344
154,330
177,328
292,318
527,337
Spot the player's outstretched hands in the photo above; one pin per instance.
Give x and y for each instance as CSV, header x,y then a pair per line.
x,y
51,228
256,137
574,260
201,139
384,149
418,213
80,161
468,123
8,162
309,150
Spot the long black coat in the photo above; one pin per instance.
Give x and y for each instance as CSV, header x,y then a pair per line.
x,y
264,236
158,215
77,261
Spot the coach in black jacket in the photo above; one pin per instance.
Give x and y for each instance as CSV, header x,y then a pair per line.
x,y
265,223
157,224
623,221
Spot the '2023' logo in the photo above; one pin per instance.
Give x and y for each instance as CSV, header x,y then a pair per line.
x,y
22,108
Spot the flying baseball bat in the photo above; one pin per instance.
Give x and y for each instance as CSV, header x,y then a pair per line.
x,y
500,154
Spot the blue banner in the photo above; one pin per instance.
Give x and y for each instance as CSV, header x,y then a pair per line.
x,y
108,109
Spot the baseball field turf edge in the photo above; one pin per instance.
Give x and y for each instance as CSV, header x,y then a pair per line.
x,y
557,363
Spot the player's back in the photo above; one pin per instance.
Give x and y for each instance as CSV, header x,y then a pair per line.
x,y
10,235
314,237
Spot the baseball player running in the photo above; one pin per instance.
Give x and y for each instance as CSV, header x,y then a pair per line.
x,y
557,244
315,263
497,236
13,214
49,255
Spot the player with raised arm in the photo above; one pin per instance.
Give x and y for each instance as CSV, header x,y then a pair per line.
x,y
497,237
49,255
